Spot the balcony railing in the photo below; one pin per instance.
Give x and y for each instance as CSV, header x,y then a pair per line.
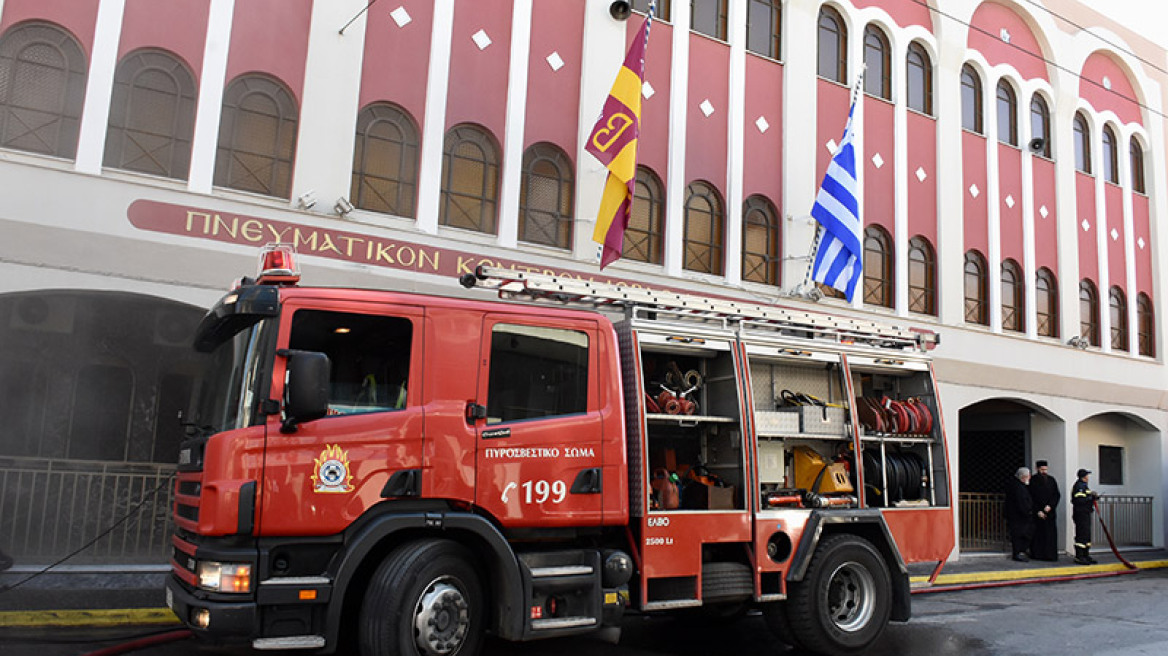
x,y
983,523
1129,518
50,508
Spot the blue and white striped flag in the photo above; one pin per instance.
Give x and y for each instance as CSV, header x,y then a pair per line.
x,y
839,258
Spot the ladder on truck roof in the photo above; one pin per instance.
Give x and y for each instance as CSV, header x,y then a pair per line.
x,y
511,283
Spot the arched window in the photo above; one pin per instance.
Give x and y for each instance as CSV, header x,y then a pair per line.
x,y
470,179
878,76
1110,156
976,289
704,221
764,28
709,18
1117,302
152,115
1147,325
922,276
971,105
1137,166
1082,143
644,236
1013,297
545,196
257,136
1040,124
1007,113
1089,312
663,12
385,160
1046,303
879,274
833,45
919,79
42,89
760,241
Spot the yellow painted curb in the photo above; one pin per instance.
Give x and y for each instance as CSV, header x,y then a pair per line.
x,y
70,618
1042,573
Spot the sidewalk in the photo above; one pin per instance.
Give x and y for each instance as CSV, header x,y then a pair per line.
x,y
133,596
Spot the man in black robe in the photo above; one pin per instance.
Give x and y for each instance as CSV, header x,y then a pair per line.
x,y
1044,493
1019,514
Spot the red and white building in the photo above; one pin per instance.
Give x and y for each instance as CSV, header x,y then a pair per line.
x,y
1013,159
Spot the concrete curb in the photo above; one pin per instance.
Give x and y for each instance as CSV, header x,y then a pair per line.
x,y
163,616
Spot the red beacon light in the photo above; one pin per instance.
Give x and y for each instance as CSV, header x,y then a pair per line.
x,y
278,265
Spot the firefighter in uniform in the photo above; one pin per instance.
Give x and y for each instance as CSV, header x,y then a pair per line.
x,y
1082,507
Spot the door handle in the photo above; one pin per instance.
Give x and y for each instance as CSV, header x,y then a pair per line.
x,y
588,481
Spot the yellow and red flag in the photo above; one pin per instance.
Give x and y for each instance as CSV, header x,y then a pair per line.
x,y
614,142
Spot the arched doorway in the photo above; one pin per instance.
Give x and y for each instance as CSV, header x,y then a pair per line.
x,y
91,384
1123,452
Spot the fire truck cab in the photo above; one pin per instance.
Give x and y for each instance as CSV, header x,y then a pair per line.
x,y
404,474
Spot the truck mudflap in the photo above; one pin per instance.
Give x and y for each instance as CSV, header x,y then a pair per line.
x,y
865,523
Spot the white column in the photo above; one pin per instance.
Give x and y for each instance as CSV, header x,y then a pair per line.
x,y
1129,245
855,50
1067,214
600,59
434,129
1029,266
516,117
900,229
993,203
949,180
800,139
99,86
735,145
328,110
1101,236
210,105
678,119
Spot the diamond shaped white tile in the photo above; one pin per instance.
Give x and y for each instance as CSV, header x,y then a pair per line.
x,y
1005,34
555,61
877,160
1107,83
401,16
1086,226
921,175
1114,234
1010,202
1140,243
481,39
831,146
762,124
707,107
647,90
1043,211
974,191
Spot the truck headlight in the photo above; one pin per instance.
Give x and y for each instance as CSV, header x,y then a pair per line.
x,y
224,577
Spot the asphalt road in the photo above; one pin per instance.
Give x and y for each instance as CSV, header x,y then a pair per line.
x,y
1119,616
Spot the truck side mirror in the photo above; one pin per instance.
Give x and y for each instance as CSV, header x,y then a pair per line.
x,y
306,388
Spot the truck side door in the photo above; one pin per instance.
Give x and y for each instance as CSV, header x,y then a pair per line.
x,y
538,420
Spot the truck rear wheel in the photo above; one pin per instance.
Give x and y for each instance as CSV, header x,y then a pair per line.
x,y
424,600
843,603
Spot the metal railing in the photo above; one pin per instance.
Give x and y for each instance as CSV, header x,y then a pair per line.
x,y
983,524
1128,517
49,508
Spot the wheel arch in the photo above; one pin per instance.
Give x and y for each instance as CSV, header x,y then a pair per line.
x,y
373,537
866,524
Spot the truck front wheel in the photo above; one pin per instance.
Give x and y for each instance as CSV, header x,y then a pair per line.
x,y
424,600
843,603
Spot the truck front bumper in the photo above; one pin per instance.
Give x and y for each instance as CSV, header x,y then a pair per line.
x,y
215,620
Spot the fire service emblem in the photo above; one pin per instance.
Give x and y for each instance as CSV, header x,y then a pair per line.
x,y
332,471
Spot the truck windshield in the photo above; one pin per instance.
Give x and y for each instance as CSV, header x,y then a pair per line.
x,y
231,382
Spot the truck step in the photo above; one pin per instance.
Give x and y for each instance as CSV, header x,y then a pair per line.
x,y
670,605
289,642
562,623
567,570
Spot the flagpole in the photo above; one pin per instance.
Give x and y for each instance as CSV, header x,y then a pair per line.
x,y
805,289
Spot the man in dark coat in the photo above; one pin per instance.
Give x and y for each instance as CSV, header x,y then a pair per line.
x,y
1044,493
1082,508
1019,514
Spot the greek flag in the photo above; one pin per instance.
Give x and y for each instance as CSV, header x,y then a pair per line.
x,y
839,258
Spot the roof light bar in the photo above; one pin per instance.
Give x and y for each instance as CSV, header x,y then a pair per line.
x,y
278,265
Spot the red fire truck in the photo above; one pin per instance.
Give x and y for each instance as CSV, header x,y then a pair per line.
x,y
394,473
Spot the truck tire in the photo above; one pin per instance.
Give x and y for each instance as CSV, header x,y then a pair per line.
x,y
843,603
426,599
